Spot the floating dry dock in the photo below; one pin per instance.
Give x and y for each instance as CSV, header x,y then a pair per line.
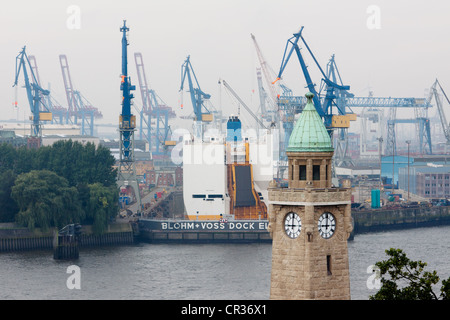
x,y
203,231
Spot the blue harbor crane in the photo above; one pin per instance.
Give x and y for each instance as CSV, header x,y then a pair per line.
x,y
35,93
127,126
334,96
337,95
323,107
292,104
127,121
58,112
198,97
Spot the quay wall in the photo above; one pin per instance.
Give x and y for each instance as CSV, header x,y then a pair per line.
x,y
204,237
364,221
21,239
381,220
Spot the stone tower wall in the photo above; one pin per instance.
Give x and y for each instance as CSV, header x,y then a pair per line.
x,y
299,266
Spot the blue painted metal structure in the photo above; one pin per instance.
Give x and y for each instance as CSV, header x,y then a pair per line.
x,y
337,95
294,104
126,87
334,97
152,108
424,135
127,126
35,93
198,97
298,102
323,106
162,133
59,113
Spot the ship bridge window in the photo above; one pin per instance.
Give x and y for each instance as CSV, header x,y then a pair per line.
x,y
199,196
215,196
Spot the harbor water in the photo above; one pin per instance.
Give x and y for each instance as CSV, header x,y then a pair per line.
x,y
196,272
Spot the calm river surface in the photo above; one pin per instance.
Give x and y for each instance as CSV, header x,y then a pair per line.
x,y
210,271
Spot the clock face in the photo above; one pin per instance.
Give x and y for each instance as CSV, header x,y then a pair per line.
x,y
326,225
292,225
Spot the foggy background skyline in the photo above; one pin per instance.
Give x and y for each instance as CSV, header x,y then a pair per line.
x,y
400,59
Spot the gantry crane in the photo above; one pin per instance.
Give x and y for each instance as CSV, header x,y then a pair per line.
x,y
127,126
153,108
421,121
265,103
340,122
337,95
199,98
79,106
445,125
58,112
35,93
323,107
333,98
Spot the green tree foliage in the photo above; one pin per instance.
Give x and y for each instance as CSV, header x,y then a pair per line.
x,y
8,208
404,279
77,163
101,206
83,172
7,157
45,200
74,161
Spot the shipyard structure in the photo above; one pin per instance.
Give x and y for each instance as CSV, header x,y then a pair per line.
x,y
222,182
225,179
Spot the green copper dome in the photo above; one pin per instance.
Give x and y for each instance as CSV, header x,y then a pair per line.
x,y
309,134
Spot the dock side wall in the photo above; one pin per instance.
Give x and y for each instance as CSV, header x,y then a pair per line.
x,y
22,239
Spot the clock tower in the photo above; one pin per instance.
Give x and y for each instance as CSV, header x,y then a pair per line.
x,y
310,220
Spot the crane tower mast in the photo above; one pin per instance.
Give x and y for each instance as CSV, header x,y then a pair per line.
x,y
127,126
35,93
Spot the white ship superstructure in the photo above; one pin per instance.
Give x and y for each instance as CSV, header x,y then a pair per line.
x,y
226,176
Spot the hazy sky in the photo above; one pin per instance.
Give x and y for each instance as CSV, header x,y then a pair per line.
x,y
401,58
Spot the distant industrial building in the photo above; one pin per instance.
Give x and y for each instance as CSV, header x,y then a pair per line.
x,y
24,129
430,181
357,171
165,177
390,167
48,140
8,136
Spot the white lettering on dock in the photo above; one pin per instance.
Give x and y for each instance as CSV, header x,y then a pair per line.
x,y
214,225
177,226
